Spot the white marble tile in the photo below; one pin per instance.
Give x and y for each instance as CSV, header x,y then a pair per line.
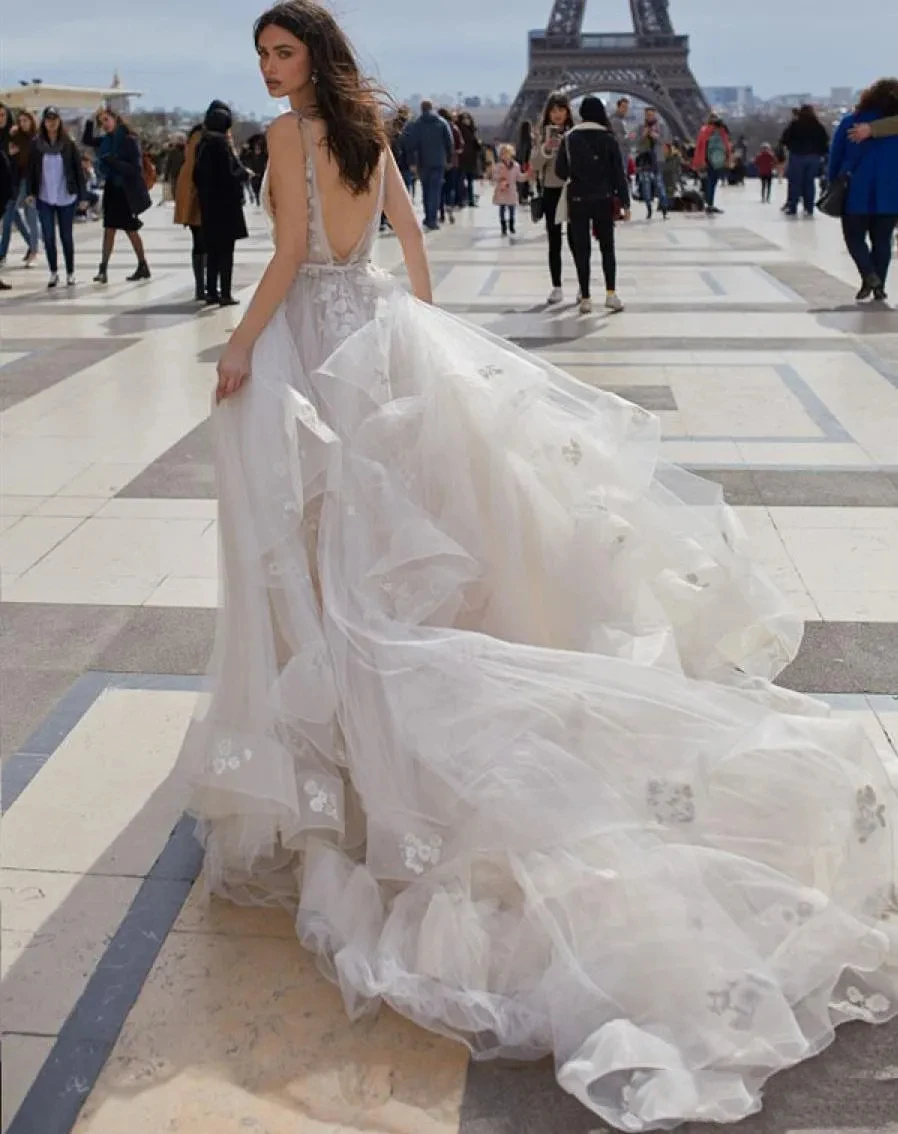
x,y
23,1057
858,606
82,506
120,546
839,519
162,508
87,586
56,926
18,505
105,803
829,559
698,453
811,454
180,591
31,539
103,480
738,402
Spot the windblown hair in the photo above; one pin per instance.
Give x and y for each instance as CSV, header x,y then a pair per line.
x,y
349,104
881,96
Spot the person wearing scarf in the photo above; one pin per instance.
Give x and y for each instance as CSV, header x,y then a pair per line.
x,y
56,182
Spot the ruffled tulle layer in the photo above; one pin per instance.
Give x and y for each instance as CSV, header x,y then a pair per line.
x,y
492,695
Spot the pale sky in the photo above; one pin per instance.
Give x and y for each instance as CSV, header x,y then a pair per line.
x,y
187,53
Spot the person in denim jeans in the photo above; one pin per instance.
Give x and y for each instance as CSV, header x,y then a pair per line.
x,y
430,149
649,154
56,183
20,140
807,141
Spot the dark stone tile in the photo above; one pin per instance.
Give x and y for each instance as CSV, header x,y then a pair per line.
x,y
57,636
742,240
822,488
185,471
818,287
62,1086
16,774
848,1087
653,398
845,657
27,698
161,640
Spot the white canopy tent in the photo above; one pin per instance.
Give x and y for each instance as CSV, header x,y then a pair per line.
x,y
35,96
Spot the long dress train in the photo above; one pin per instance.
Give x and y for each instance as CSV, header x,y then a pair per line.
x,y
493,710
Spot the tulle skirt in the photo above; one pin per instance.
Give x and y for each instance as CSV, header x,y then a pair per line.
x,y
492,711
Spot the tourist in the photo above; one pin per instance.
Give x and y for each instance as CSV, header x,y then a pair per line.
x,y
397,125
871,209
187,212
590,163
713,153
172,164
649,160
451,177
506,174
255,158
807,142
492,711
523,156
20,211
428,141
219,177
470,162
740,161
555,123
125,193
620,127
672,171
56,182
765,164
6,191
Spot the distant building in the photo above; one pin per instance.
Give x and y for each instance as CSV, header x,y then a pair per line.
x,y
731,100
842,96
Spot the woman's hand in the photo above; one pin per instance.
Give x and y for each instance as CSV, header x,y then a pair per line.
x,y
860,132
233,370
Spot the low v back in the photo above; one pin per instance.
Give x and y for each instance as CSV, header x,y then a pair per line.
x,y
320,249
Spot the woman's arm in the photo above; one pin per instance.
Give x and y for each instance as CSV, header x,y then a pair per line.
x,y
290,197
401,215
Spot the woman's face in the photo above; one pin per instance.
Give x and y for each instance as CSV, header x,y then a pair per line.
x,y
107,121
52,124
285,62
25,123
558,116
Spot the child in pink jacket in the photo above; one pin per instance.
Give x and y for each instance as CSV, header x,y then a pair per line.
x,y
506,174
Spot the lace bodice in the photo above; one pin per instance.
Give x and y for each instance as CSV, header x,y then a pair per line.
x,y
320,251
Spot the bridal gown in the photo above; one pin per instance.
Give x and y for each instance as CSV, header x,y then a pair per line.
x,y
492,711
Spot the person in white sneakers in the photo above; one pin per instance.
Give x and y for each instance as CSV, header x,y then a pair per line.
x,y
56,183
590,162
556,121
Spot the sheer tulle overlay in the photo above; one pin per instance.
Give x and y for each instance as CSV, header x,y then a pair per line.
x,y
492,710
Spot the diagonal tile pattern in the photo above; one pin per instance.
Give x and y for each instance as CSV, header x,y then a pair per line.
x,y
128,1002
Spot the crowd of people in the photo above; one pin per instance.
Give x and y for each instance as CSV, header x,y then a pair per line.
x,y
48,183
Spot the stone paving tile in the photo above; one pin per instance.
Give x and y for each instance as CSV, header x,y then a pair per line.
x,y
846,657
184,471
46,364
161,640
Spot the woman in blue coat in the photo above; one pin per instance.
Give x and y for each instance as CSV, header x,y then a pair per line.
x,y
871,212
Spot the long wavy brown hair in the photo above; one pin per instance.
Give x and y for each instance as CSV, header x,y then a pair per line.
x,y
350,104
881,96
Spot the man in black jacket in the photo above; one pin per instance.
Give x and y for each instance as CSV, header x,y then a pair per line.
x,y
591,164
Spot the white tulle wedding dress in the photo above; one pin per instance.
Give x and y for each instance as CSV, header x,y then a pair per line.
x,y
492,711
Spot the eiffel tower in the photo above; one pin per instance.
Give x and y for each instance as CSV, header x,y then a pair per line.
x,y
651,63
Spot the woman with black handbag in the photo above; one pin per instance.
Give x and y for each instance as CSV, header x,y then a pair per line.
x,y
863,188
556,121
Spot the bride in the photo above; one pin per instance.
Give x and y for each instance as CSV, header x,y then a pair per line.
x,y
492,705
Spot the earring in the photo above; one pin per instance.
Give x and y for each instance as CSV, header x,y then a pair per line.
x,y
315,78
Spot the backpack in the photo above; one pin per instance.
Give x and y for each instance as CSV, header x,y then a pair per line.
x,y
716,152
148,169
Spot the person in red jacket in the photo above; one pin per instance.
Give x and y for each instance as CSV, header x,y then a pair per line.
x,y
765,164
713,155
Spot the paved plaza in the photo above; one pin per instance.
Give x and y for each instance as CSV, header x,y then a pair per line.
x,y
132,1008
